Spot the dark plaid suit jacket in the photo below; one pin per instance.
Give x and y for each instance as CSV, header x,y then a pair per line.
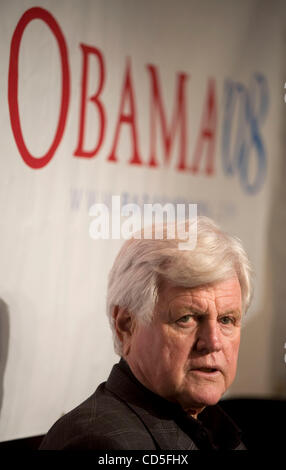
x,y
122,414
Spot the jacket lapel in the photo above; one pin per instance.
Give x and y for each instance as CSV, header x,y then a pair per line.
x,y
165,432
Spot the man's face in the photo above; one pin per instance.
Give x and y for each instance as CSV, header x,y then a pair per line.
x,y
188,353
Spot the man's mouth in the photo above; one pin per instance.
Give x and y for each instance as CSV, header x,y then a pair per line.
x,y
207,370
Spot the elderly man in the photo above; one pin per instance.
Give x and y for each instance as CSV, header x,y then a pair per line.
x,y
176,319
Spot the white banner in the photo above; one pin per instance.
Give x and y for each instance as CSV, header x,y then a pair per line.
x,y
155,102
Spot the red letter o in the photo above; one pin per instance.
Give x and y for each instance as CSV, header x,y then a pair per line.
x,y
28,16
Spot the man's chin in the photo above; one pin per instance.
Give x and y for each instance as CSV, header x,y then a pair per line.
x,y
199,399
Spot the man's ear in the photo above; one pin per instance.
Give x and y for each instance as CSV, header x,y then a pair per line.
x,y
124,323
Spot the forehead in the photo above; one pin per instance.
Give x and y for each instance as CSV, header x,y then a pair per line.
x,y
224,295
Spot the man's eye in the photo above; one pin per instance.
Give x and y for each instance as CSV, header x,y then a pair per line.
x,y
184,319
227,320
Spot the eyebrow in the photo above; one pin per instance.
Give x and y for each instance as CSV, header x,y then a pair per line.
x,y
191,310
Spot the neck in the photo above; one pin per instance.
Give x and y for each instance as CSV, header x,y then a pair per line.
x,y
193,412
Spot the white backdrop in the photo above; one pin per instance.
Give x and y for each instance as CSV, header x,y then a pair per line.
x,y
86,88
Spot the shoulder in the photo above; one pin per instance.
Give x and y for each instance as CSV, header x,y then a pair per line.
x,y
103,421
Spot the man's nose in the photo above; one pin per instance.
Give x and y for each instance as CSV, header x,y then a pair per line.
x,y
208,337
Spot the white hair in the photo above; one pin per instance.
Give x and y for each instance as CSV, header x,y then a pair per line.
x,y
143,264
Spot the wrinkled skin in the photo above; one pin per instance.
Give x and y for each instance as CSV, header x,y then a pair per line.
x,y
188,353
